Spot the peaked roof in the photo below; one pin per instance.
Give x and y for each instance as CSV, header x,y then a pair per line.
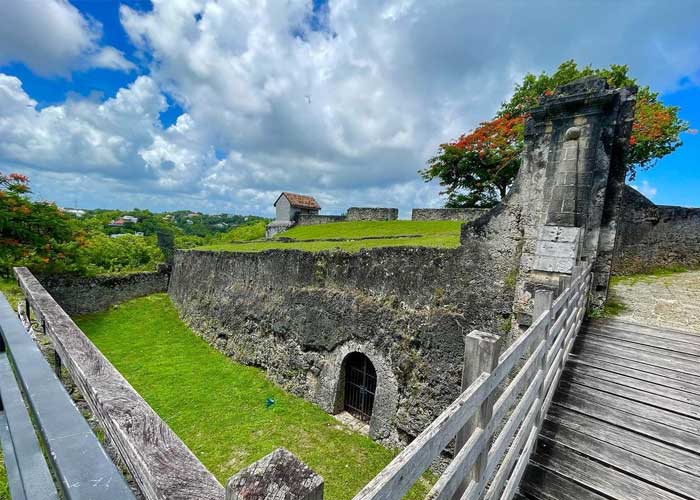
x,y
299,200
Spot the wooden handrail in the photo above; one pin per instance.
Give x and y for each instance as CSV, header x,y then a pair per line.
x,y
545,347
163,466
38,413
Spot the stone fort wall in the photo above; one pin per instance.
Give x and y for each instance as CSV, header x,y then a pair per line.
x,y
81,295
653,236
298,314
371,213
460,214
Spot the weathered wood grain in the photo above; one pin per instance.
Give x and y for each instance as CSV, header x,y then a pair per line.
x,y
619,403
161,463
641,355
600,410
637,386
644,468
627,439
665,332
482,349
662,352
601,479
611,367
619,359
650,340
541,484
661,402
79,465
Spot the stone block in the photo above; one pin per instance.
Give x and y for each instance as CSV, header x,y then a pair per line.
x,y
277,476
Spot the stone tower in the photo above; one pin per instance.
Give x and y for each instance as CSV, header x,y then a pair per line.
x,y
570,184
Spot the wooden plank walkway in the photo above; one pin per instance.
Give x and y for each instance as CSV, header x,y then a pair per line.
x,y
625,421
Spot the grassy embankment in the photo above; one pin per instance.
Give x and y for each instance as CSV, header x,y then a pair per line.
x,y
441,234
218,407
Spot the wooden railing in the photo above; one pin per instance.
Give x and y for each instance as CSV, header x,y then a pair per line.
x,y
489,464
49,450
162,465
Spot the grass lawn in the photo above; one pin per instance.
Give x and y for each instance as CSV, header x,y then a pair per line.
x,y
218,407
12,292
441,234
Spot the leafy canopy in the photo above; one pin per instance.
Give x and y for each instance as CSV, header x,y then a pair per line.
x,y
31,234
477,169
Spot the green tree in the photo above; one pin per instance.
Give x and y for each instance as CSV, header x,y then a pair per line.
x,y
477,168
33,234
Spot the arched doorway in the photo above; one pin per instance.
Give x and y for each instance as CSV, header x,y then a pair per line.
x,y
360,386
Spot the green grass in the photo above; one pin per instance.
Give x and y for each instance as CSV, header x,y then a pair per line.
x,y
4,488
648,276
440,234
218,407
11,290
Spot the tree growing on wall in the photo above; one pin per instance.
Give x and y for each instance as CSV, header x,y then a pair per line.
x,y
477,169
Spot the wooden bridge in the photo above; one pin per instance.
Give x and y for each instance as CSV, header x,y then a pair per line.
x,y
625,421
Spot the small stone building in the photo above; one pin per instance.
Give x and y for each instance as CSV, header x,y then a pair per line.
x,y
289,206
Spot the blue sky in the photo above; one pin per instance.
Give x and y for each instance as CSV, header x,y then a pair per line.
x,y
219,105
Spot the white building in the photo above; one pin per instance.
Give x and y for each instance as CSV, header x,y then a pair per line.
x,y
289,205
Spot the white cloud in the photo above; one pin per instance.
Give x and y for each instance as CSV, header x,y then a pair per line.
x,y
348,114
52,37
646,189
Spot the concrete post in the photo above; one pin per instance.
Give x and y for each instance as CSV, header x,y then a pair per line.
x,y
277,475
481,351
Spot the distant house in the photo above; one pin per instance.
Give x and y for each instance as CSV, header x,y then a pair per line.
x,y
290,205
124,219
117,222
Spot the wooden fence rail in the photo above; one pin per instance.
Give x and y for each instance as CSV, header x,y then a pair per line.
x,y
160,462
162,465
488,464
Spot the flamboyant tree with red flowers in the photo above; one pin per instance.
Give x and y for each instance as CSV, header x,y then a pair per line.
x,y
477,169
31,233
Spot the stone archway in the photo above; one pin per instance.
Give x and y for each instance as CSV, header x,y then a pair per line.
x,y
331,395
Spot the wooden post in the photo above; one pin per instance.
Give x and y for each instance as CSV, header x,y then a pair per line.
x,y
564,285
275,476
543,302
481,351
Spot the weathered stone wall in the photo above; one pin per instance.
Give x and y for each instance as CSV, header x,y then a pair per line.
x,y
462,214
81,295
298,314
652,236
369,213
570,185
312,220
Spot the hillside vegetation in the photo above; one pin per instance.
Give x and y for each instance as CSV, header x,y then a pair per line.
x,y
354,236
228,414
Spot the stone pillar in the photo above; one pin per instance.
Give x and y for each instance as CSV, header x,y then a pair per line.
x,y
570,184
275,476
